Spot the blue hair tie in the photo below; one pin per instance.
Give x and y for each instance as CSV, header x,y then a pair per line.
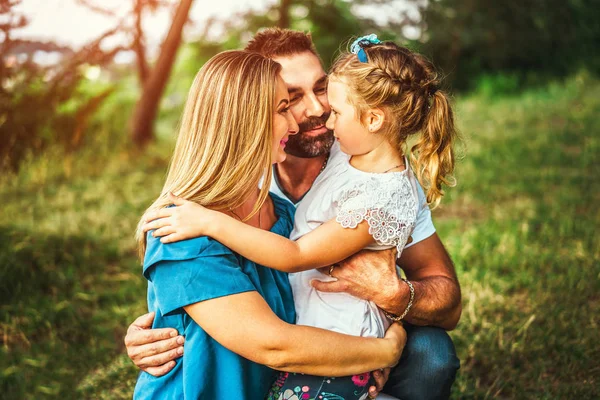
x,y
356,46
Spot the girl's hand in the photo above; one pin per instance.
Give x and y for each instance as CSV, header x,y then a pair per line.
x,y
184,221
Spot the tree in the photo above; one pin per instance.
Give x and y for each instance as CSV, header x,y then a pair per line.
x,y
284,14
142,122
33,97
468,38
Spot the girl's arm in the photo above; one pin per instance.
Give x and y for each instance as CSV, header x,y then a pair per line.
x,y
326,245
246,325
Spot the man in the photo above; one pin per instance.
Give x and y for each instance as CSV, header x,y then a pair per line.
x,y
429,364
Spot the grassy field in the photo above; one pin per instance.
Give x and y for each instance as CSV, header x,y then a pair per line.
x,y
520,226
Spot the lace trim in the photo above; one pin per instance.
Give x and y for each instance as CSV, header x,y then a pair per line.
x,y
388,205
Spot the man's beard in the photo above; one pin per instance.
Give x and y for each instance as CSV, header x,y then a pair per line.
x,y
300,145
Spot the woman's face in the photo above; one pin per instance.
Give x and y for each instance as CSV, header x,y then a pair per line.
x,y
284,123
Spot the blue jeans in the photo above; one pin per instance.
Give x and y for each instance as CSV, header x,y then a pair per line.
x,y
427,367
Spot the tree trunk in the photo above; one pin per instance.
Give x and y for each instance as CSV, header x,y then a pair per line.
x,y
284,14
138,43
142,121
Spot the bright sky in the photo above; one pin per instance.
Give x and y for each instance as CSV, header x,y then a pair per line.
x,y
67,22
72,24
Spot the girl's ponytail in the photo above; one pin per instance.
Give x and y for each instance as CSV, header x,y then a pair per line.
x,y
432,156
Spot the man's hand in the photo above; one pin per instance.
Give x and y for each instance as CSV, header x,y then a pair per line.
x,y
381,377
153,350
369,275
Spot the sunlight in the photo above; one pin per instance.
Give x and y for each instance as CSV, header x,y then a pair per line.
x,y
69,23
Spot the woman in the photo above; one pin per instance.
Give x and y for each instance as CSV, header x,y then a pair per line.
x,y
237,316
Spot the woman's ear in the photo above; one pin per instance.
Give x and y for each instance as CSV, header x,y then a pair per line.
x,y
374,119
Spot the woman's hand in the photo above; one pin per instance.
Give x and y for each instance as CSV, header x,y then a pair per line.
x,y
185,221
396,335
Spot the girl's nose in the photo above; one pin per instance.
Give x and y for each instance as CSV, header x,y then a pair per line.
x,y
329,124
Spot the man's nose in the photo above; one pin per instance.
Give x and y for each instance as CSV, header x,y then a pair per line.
x,y
314,108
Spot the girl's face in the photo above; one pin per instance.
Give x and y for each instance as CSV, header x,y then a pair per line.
x,y
284,123
354,137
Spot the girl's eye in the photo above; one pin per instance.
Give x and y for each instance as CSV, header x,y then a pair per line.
x,y
285,110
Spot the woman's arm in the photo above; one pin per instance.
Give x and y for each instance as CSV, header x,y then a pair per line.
x,y
246,325
326,245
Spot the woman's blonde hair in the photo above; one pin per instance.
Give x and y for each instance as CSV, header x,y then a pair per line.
x,y
405,86
224,144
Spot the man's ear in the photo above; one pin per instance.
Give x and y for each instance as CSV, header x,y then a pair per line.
x,y
374,119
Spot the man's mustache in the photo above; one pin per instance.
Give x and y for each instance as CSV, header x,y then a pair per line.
x,y
312,122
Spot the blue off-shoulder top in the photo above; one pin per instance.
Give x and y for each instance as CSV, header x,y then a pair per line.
x,y
200,269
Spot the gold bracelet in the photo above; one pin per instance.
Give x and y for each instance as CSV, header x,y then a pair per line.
x,y
396,318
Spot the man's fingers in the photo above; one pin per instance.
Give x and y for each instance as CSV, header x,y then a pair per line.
x,y
379,382
138,353
139,336
160,371
331,287
373,392
160,359
386,373
381,377
142,322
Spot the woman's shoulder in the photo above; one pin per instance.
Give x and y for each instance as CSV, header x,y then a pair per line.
x,y
203,246
284,210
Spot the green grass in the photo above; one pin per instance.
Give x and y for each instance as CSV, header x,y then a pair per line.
x,y
520,226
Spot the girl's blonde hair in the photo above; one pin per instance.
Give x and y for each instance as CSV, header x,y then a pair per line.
x,y
224,144
405,86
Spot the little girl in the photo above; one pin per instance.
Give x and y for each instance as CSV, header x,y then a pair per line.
x,y
380,94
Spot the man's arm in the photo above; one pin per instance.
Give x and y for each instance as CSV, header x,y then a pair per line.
x,y
437,292
371,275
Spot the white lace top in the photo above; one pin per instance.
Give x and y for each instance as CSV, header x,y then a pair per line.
x,y
388,202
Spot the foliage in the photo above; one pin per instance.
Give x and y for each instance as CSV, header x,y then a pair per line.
x,y
520,226
468,38
331,23
42,105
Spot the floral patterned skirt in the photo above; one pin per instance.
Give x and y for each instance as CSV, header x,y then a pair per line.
x,y
291,386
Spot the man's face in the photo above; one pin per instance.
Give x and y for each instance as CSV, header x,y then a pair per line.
x,y
306,82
